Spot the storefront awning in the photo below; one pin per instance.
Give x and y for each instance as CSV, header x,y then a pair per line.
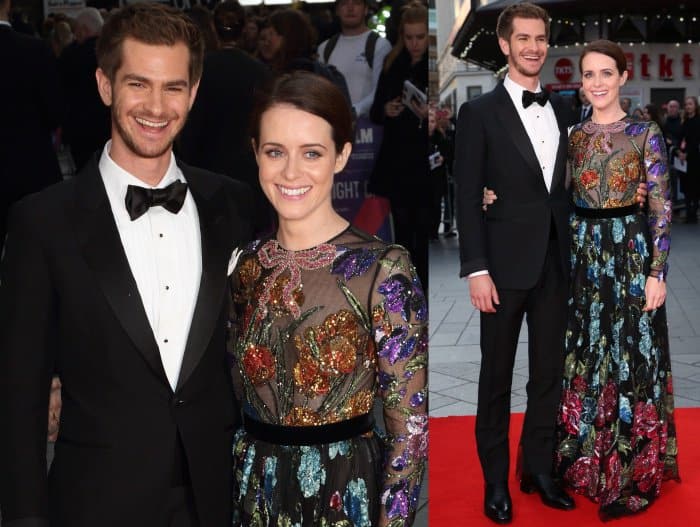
x,y
579,21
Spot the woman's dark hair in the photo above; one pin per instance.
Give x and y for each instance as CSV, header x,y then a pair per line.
x,y
605,47
653,112
299,36
310,93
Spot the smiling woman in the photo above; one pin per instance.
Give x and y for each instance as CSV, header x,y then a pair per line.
x,y
324,318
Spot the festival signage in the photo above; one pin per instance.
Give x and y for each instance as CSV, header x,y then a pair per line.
x,y
350,196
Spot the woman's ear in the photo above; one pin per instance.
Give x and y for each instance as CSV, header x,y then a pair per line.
x,y
342,158
255,148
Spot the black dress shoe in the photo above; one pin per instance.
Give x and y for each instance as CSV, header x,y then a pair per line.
x,y
497,504
549,490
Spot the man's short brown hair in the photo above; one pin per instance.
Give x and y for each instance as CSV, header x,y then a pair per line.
x,y
504,26
149,23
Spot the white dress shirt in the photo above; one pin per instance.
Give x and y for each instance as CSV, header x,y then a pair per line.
x,y
164,251
542,128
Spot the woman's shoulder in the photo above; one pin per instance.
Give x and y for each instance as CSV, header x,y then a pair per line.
x,y
356,247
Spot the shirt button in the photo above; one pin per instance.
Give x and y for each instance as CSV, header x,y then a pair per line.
x,y
167,287
165,340
160,235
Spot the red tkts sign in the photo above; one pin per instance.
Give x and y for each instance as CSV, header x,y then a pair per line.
x,y
563,69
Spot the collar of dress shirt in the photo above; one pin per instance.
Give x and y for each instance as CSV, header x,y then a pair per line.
x,y
116,181
515,91
5,23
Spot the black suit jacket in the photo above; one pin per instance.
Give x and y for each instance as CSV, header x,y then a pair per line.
x,y
585,115
31,109
69,304
493,149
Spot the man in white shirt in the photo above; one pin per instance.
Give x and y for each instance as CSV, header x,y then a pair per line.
x,y
357,52
116,281
513,140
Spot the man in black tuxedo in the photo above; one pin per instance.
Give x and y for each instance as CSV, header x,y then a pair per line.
x,y
116,281
216,134
514,140
31,110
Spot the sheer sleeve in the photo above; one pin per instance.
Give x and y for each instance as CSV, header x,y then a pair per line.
x,y
399,326
657,178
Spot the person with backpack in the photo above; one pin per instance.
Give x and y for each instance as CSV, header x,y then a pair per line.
x,y
292,40
357,52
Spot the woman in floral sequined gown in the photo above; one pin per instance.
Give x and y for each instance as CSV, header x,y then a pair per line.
x,y
616,434
324,318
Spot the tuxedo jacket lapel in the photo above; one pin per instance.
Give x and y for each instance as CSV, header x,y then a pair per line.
x,y
510,121
103,251
215,237
562,152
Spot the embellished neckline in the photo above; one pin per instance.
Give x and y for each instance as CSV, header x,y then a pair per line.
x,y
329,241
591,127
278,259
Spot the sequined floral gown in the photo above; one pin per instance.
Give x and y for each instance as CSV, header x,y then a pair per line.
x,y
315,336
616,434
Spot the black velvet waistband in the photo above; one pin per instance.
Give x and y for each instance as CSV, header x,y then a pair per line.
x,y
308,435
616,212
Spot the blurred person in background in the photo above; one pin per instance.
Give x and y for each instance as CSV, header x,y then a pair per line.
x,y
32,110
673,132
402,163
87,123
690,152
248,41
204,20
357,52
230,79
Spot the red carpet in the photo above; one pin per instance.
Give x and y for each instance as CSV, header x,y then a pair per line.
x,y
457,491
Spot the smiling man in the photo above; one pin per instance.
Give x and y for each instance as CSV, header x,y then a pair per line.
x,y
514,140
115,280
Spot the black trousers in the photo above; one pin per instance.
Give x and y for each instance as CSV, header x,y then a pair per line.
x,y
181,509
545,307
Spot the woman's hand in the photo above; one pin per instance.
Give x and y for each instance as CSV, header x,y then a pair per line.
x,y
655,292
394,107
488,198
54,409
641,195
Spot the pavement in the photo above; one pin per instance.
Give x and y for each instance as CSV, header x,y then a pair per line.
x,y
454,329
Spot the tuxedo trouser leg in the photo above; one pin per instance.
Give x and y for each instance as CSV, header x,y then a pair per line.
x,y
499,340
546,312
181,509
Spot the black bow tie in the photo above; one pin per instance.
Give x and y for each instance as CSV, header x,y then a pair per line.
x,y
540,98
139,199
